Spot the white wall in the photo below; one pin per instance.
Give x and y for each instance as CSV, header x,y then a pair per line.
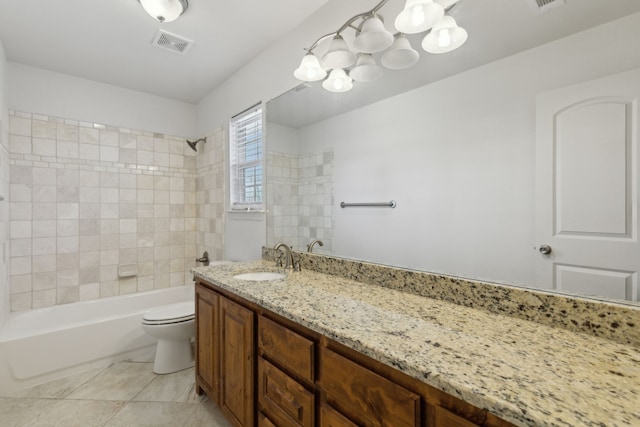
x,y
267,76
458,157
271,73
4,189
45,92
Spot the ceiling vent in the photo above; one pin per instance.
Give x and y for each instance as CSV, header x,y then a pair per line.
x,y
540,6
172,42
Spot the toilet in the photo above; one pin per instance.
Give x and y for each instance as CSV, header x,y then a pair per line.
x,y
174,326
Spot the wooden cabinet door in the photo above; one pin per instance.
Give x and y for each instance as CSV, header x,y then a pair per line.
x,y
236,363
207,342
364,396
329,417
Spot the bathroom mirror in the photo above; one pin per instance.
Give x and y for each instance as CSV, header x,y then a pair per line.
x,y
452,141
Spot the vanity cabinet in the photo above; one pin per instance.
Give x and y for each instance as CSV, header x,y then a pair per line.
x,y
260,367
225,355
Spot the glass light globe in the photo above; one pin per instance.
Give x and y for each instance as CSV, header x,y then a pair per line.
x,y
418,16
366,69
165,10
310,69
401,55
373,36
338,55
338,81
444,37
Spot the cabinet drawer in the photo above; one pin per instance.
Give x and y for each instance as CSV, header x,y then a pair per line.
x,y
286,348
282,399
329,417
264,421
444,418
364,396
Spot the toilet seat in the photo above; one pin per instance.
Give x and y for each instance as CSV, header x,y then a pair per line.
x,y
172,313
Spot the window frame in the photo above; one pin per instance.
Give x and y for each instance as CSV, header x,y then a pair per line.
x,y
238,184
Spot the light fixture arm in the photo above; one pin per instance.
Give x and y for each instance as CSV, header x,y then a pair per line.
x,y
348,24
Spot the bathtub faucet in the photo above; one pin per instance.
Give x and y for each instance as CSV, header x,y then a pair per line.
x,y
204,259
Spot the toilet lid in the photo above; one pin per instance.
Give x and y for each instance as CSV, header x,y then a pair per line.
x,y
172,312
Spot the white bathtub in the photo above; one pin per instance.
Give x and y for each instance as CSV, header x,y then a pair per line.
x,y
43,344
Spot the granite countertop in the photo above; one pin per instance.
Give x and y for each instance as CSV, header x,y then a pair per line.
x,y
524,372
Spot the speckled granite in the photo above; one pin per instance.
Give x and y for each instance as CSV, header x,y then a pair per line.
x,y
524,372
608,320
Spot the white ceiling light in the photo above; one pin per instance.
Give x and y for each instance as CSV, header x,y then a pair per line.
x,y
338,81
445,36
401,55
366,69
165,10
339,55
419,16
310,69
372,37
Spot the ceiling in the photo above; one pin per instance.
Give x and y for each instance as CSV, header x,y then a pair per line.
x,y
496,28
109,41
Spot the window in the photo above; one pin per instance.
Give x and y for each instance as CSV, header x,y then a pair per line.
x,y
246,147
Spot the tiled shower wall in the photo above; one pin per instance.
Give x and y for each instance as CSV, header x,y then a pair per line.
x,y
86,199
210,186
300,199
4,213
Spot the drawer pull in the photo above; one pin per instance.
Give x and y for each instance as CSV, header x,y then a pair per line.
x,y
284,399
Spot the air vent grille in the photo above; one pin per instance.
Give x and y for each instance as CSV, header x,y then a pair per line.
x,y
540,6
172,42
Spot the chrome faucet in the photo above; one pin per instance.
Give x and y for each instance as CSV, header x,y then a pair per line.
x,y
290,262
204,259
313,242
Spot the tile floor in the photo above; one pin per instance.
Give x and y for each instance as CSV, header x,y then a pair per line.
x,y
123,394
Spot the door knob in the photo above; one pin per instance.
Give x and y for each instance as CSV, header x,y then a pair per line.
x,y
544,249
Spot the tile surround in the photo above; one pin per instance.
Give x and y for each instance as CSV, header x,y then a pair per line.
x,y
84,198
300,199
210,196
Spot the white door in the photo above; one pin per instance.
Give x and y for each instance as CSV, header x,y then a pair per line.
x,y
587,187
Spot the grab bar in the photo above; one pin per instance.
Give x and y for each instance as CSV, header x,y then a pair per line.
x,y
391,204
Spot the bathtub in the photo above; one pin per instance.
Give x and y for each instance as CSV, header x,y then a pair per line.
x,y
43,344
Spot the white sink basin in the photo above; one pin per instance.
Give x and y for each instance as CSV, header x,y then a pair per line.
x,y
260,276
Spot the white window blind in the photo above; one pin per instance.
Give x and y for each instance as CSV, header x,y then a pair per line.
x,y
246,147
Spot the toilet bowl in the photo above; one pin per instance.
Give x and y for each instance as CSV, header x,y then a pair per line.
x,y
174,326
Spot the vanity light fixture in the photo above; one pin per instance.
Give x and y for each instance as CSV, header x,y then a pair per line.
x,y
343,64
165,10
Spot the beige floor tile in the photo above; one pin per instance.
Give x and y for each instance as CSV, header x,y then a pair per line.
x,y
176,387
58,389
19,412
207,414
85,413
156,414
121,381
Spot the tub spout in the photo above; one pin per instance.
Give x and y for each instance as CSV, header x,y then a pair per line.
x,y
204,259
